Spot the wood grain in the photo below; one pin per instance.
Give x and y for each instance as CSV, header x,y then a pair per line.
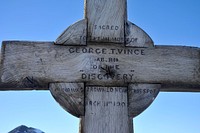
x,y
106,110
33,65
136,37
106,20
70,96
141,97
75,34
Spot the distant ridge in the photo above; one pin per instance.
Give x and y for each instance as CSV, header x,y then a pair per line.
x,y
25,129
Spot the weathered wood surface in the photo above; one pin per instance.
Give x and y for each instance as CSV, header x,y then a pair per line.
x,y
141,97
134,36
33,65
106,20
70,96
106,110
75,34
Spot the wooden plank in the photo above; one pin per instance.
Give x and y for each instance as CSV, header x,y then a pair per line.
x,y
106,110
70,96
106,20
32,65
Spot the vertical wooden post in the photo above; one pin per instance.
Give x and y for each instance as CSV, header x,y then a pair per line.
x,y
106,110
106,20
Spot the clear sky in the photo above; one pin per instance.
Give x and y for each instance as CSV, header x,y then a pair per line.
x,y
168,22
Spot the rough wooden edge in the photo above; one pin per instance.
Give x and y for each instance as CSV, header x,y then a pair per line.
x,y
15,85
136,37
70,96
75,34
164,88
141,96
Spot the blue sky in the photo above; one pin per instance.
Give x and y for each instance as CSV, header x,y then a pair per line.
x,y
168,22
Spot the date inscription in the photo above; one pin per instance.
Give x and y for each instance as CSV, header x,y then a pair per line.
x,y
112,99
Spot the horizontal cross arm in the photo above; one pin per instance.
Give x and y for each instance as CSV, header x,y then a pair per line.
x,y
33,65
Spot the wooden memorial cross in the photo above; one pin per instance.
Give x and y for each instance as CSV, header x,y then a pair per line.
x,y
103,69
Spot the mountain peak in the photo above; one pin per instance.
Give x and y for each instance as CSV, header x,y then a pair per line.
x,y
25,129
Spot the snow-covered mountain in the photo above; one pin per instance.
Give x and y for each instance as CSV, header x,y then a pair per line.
x,y
25,129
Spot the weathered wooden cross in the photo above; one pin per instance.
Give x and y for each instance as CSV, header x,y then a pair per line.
x,y
103,69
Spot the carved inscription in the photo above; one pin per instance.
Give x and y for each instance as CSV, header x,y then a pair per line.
x,y
119,92
107,89
104,104
110,28
72,90
107,75
105,24
103,63
106,27
111,51
145,91
109,39
107,67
